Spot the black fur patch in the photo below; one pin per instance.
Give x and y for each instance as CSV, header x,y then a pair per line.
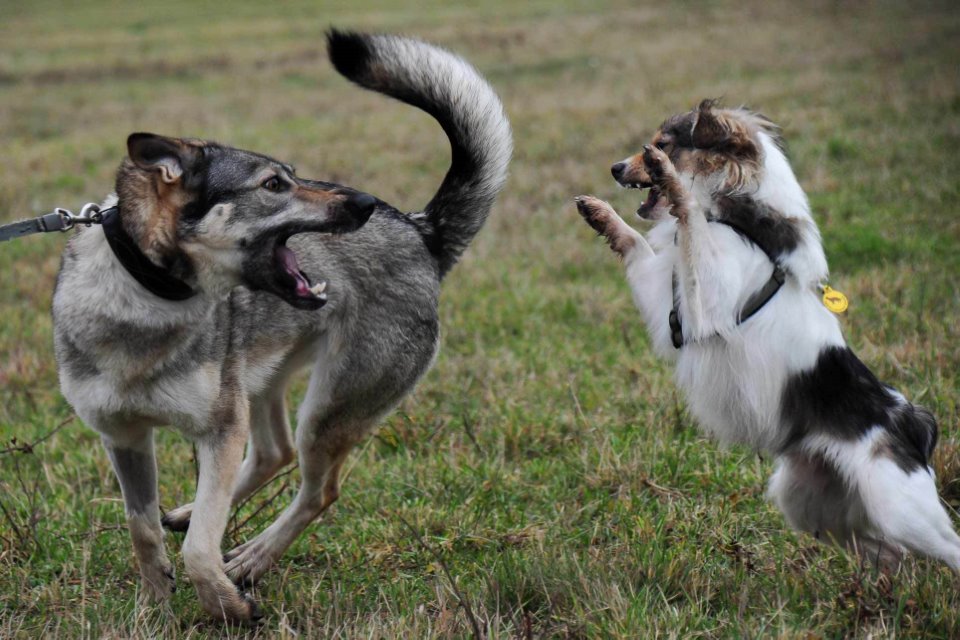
x,y
680,129
78,363
769,229
840,397
135,471
348,52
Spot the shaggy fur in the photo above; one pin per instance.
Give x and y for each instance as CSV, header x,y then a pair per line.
x,y
852,453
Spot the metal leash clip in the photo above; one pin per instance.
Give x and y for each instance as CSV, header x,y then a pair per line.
x,y
89,215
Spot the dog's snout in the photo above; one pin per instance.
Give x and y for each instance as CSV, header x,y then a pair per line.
x,y
618,169
360,205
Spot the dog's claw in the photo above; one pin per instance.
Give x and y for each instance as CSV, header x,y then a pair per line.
x,y
168,571
256,613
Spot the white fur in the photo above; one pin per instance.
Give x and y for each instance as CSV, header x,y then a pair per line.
x,y
476,107
734,376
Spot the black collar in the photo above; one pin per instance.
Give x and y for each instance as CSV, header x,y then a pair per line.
x,y
753,304
154,279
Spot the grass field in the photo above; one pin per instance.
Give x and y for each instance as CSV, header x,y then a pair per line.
x,y
546,462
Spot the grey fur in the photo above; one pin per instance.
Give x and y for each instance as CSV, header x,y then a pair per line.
x,y
137,473
216,366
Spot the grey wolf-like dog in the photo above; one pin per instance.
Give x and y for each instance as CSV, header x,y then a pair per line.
x,y
727,283
244,273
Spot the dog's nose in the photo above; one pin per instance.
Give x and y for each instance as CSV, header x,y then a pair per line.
x,y
618,169
360,205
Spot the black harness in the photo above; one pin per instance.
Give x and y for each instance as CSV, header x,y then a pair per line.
x,y
753,304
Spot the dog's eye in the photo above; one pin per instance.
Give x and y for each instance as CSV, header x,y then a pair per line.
x,y
662,144
274,184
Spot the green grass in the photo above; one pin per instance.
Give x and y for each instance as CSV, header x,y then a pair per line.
x,y
546,461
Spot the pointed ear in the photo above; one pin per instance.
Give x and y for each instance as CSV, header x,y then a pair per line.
x,y
167,156
708,129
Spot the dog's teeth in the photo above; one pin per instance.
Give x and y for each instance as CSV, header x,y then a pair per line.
x,y
318,289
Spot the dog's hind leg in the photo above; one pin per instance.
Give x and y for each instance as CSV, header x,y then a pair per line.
x,y
131,453
902,504
326,432
815,499
269,450
323,448
621,237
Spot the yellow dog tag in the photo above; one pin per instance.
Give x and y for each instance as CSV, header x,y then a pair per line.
x,y
834,300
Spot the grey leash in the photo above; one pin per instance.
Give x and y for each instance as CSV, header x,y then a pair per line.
x,y
58,220
154,278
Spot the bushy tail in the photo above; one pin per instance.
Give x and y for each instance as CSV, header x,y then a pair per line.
x,y
449,89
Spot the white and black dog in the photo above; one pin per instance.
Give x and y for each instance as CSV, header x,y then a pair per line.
x,y
727,281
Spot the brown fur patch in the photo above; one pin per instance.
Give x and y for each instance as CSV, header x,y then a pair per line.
x,y
151,210
152,202
604,220
709,140
635,171
314,195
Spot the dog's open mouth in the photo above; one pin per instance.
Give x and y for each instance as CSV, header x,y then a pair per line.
x,y
271,265
290,274
653,197
648,205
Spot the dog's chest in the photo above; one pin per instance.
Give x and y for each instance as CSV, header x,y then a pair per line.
x,y
116,370
185,399
733,393
182,395
123,381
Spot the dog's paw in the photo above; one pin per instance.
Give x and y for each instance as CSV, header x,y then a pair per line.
x,y
247,563
158,581
225,601
178,519
665,178
604,220
595,212
658,165
879,555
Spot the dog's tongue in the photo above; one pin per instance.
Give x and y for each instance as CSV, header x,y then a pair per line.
x,y
288,260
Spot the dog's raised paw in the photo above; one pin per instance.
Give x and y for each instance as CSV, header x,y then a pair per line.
x,y
246,564
664,175
657,163
595,212
604,220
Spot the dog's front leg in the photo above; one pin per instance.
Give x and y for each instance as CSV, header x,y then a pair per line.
x,y
219,453
131,453
621,237
692,234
